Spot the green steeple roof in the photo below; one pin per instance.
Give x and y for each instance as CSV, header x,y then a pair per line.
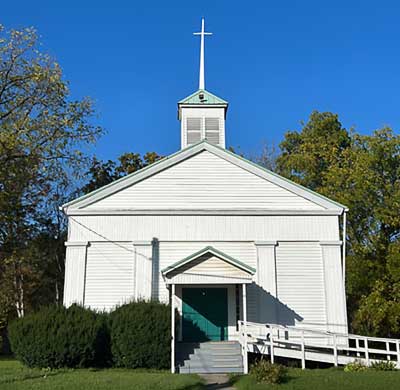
x,y
203,97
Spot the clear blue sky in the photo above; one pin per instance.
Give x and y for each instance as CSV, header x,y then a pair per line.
x,y
274,61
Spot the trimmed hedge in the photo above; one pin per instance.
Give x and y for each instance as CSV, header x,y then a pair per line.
x,y
58,337
135,335
141,335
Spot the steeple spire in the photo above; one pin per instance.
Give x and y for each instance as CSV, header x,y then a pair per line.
x,y
202,114
202,33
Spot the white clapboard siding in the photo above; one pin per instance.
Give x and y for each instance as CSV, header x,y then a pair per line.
x,y
205,181
171,252
300,283
205,228
109,274
211,265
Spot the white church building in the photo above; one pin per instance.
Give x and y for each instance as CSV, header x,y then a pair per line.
x,y
227,242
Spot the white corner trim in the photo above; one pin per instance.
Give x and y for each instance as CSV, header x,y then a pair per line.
x,y
330,243
265,243
76,243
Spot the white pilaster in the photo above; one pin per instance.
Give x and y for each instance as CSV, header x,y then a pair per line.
x,y
336,315
143,270
75,272
266,281
173,328
245,355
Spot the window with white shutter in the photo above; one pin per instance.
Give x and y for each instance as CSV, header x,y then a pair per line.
x,y
212,130
193,130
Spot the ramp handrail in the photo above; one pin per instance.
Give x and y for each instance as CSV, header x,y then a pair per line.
x,y
304,340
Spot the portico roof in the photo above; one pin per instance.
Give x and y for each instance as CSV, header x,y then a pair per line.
x,y
208,266
213,251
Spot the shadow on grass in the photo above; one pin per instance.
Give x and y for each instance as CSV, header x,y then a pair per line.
x,y
29,374
197,386
236,379
212,386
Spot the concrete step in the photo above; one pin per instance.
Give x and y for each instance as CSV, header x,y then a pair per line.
x,y
210,370
199,363
184,350
221,349
209,353
213,360
210,357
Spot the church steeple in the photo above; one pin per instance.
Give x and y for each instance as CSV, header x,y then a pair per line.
x,y
202,33
202,114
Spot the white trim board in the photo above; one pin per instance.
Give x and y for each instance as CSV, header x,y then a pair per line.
x,y
228,212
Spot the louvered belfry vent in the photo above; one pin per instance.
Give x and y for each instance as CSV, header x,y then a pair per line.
x,y
202,117
193,127
212,130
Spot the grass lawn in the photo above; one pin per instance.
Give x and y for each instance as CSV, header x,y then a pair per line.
x,y
327,379
13,376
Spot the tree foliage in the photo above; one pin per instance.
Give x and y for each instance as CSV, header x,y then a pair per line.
x,y
101,173
306,156
362,172
42,134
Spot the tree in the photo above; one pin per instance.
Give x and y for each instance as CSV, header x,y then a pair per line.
x,y
307,155
42,133
267,157
368,181
362,172
101,173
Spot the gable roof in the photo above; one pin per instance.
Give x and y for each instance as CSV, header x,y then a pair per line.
x,y
208,99
209,250
188,152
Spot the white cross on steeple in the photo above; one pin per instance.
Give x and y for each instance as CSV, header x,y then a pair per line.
x,y
202,33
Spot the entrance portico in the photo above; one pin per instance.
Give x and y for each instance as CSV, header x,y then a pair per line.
x,y
208,290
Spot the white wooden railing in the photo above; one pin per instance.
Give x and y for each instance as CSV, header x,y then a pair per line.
x,y
317,345
243,340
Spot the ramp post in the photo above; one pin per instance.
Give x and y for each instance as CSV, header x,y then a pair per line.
x,y
303,351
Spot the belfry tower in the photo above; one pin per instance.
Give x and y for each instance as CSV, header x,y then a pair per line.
x,y
202,114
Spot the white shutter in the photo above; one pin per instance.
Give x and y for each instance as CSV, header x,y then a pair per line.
x,y
212,130
193,130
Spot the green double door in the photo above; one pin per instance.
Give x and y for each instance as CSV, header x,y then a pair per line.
x,y
204,314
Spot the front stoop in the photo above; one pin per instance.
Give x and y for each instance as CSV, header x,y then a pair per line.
x,y
209,357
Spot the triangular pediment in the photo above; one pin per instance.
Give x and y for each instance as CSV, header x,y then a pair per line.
x,y
203,177
208,265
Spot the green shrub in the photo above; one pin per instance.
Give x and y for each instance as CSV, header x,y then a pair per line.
x,y
58,337
383,366
141,335
264,371
355,366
